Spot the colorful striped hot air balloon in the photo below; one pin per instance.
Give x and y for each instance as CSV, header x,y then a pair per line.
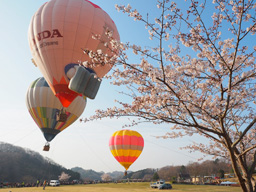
x,y
58,33
126,146
43,106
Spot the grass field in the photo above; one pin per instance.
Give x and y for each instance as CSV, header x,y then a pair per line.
x,y
124,187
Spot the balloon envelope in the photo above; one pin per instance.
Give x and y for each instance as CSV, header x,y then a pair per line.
x,y
58,32
43,107
126,146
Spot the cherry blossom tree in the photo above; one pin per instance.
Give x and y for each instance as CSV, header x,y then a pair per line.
x,y
106,177
199,77
64,176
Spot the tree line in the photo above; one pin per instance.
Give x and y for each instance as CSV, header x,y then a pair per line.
x,y
217,167
22,165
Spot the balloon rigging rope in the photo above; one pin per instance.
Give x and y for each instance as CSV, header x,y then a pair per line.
x,y
171,149
25,136
22,138
99,158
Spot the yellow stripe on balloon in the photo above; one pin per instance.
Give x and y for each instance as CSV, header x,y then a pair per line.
x,y
45,122
39,111
129,133
69,121
125,164
122,152
35,117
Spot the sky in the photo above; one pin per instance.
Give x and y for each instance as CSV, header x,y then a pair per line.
x,y
82,145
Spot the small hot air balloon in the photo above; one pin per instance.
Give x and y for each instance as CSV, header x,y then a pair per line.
x,y
126,146
59,33
44,107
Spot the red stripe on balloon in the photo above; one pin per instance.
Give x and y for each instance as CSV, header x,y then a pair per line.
x,y
126,140
94,5
126,159
64,94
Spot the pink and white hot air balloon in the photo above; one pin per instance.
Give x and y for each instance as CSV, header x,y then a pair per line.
x,y
58,33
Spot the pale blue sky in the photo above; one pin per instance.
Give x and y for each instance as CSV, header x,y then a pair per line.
x,y
82,144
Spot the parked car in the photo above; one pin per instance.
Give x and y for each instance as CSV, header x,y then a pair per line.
x,y
165,186
227,183
157,184
54,183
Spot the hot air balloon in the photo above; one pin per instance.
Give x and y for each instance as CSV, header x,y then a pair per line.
x,y
126,146
58,33
44,107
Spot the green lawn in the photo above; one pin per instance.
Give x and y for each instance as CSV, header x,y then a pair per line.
x,y
124,187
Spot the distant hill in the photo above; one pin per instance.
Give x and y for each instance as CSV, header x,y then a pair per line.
x,y
145,174
23,165
93,175
117,174
88,174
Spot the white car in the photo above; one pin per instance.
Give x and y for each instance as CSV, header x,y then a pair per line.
x,y
227,183
54,183
157,184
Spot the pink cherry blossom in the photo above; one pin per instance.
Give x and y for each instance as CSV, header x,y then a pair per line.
x,y
209,90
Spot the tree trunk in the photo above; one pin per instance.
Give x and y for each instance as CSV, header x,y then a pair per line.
x,y
245,173
239,177
253,184
248,184
235,166
244,179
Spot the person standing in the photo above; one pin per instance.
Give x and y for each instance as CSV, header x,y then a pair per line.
x,y
37,183
44,184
